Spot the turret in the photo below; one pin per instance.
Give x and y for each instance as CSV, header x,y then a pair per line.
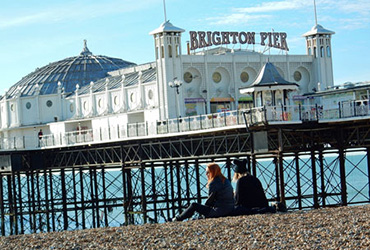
x,y
167,43
318,44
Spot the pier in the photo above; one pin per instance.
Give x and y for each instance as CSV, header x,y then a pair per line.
x,y
102,180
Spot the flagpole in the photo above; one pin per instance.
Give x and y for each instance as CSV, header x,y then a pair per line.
x,y
164,7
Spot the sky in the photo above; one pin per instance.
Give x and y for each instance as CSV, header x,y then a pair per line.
x,y
34,33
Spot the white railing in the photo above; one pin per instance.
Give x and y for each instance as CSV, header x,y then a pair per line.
x,y
251,117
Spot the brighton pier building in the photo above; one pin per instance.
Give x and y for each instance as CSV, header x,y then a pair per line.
x,y
90,98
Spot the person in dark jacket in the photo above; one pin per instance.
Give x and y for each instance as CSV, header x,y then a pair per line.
x,y
250,196
220,200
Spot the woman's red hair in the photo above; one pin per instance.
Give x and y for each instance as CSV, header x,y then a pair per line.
x,y
214,171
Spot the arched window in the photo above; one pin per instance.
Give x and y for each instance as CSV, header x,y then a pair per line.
x,y
328,51
156,53
162,51
314,52
169,51
321,51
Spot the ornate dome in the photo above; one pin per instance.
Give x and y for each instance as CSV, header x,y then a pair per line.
x,y
81,70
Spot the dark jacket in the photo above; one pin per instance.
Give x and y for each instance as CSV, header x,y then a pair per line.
x,y
220,194
249,193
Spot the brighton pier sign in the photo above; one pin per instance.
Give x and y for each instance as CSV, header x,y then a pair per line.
x,y
202,39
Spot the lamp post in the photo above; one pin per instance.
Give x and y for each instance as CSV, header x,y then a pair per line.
x,y
205,101
176,83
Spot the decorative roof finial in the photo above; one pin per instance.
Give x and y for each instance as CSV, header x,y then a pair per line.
x,y
85,51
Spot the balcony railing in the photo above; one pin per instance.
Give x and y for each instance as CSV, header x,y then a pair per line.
x,y
252,117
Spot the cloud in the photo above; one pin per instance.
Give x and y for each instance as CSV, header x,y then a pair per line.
x,y
361,7
237,18
72,12
263,11
275,6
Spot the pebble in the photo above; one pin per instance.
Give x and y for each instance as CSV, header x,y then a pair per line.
x,y
325,228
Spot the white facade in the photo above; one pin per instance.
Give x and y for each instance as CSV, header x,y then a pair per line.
x,y
210,83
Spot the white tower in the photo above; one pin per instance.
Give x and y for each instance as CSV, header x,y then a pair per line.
x,y
167,39
318,43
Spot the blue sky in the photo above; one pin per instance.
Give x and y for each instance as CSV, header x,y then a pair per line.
x,y
34,33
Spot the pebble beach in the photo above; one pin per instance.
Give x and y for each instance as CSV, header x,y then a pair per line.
x,y
326,228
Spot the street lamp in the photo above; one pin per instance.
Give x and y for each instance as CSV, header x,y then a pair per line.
x,y
205,100
176,83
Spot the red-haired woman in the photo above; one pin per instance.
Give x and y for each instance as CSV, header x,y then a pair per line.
x,y
220,200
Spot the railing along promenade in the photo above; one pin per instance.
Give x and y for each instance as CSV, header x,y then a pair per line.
x,y
283,114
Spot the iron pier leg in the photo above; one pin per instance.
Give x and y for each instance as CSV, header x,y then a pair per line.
x,y
82,198
15,206
96,197
75,203
342,170
254,165
143,195
197,176
29,200
2,207
368,168
64,199
178,177
11,205
92,199
187,182
106,223
298,178
314,179
52,200
39,206
20,201
172,191
47,208
277,181
322,175
281,178
154,192
33,202
165,166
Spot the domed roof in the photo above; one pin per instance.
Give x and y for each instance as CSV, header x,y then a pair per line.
x,y
81,70
318,29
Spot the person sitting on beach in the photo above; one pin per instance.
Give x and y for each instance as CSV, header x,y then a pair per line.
x,y
220,200
250,197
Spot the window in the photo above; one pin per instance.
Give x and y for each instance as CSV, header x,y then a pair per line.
x,y
150,94
216,77
297,76
177,50
328,52
188,77
49,103
156,53
132,97
28,105
169,51
244,77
